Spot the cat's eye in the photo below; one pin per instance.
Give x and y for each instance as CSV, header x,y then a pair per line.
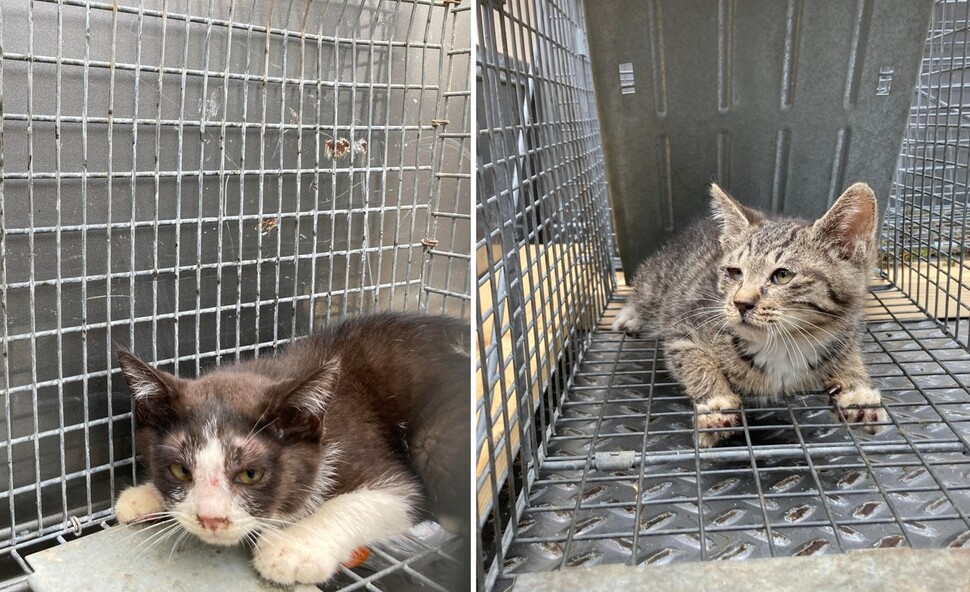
x,y
782,276
732,273
249,476
180,472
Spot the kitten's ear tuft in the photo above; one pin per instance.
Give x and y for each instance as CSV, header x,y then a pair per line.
x,y
733,217
299,404
850,224
153,391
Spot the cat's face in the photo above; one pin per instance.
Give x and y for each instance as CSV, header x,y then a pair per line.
x,y
232,452
791,276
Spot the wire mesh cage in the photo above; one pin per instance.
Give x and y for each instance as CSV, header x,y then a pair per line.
x,y
204,181
544,250
586,447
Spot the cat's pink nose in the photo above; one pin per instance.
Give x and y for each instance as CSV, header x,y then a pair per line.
x,y
214,523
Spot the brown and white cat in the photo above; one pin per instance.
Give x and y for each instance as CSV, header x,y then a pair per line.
x,y
350,436
748,306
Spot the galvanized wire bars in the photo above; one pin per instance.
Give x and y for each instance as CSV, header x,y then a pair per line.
x,y
925,239
587,444
544,243
202,180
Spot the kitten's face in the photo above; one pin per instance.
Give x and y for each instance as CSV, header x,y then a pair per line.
x,y
231,453
217,482
792,276
778,277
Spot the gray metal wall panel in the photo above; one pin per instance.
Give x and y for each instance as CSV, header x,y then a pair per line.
x,y
778,101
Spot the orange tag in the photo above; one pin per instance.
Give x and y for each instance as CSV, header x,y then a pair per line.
x,y
358,557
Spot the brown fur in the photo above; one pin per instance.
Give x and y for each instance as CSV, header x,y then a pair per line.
x,y
375,400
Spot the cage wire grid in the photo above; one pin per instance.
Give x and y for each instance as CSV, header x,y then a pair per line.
x,y
925,238
200,182
586,449
544,240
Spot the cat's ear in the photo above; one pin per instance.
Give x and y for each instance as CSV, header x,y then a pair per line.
x,y
733,217
849,227
297,406
153,391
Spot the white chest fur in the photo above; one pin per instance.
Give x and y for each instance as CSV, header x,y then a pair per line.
x,y
786,364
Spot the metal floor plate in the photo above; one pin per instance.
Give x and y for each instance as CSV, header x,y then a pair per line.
x,y
148,558
125,558
792,481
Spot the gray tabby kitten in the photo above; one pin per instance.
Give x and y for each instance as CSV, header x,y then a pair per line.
x,y
748,306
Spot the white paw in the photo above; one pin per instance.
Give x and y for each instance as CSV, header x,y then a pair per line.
x,y
138,502
714,417
295,561
860,405
627,320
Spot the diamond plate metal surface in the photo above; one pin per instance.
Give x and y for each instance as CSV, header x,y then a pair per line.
x,y
793,480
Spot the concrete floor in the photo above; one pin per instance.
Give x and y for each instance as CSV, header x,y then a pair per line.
x,y
882,570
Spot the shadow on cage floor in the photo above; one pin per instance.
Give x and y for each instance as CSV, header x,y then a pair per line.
x,y
624,484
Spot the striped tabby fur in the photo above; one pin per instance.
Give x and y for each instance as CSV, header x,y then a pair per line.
x,y
752,307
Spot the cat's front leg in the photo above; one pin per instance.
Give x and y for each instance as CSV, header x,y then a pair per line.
x,y
853,396
717,406
311,550
138,502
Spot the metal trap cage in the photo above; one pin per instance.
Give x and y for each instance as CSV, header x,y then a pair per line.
x,y
586,444
199,182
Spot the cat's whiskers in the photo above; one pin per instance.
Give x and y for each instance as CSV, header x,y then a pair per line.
x,y
798,350
145,529
781,338
151,516
776,340
807,335
693,330
787,340
178,541
272,535
250,539
770,341
167,525
271,525
813,310
692,333
253,431
150,521
795,351
835,338
280,521
693,311
268,529
793,322
796,323
721,328
697,312
156,539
